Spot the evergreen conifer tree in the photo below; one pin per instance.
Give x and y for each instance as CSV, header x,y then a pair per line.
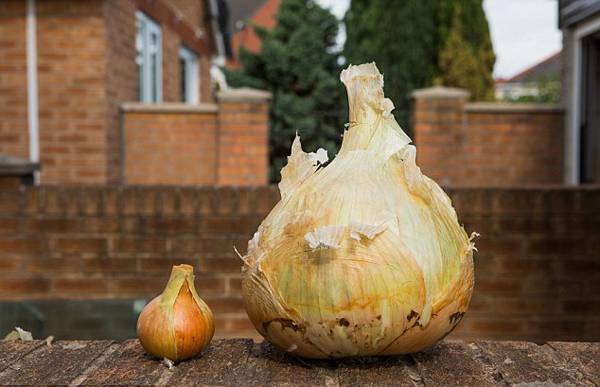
x,y
419,43
298,63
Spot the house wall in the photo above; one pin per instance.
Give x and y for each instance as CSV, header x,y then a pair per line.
x,y
487,144
537,272
122,79
86,69
193,12
13,79
71,46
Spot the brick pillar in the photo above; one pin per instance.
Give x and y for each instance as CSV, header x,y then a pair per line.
x,y
438,129
243,137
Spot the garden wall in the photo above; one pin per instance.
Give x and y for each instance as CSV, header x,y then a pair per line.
x,y
486,144
537,270
206,144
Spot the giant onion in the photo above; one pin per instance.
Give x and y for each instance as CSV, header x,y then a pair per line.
x,y
363,256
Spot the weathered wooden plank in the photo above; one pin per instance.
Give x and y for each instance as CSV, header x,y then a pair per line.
x,y
223,363
12,351
129,365
378,371
452,363
522,362
269,366
584,356
58,363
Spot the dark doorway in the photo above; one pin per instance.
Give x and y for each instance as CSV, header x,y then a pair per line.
x,y
590,109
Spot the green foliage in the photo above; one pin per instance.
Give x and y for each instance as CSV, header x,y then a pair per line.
x,y
298,64
548,92
400,37
418,43
466,58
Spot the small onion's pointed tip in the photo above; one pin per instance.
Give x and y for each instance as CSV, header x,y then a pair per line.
x,y
362,70
184,268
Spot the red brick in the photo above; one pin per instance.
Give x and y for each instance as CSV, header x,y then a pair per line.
x,y
185,247
496,327
81,245
241,325
221,246
556,246
163,265
498,285
210,285
44,265
224,304
16,246
53,225
81,287
24,287
140,286
223,264
140,245
235,285
246,225
10,202
9,226
499,246
8,265
169,225
110,265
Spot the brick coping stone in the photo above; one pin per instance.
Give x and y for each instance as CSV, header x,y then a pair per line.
x,y
239,362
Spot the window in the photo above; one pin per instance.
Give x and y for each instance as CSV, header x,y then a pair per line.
x,y
188,70
148,44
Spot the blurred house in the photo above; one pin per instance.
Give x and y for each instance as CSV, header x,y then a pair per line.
x,y
90,88
465,143
244,14
579,21
527,83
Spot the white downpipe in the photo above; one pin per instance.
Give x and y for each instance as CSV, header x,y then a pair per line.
x,y
32,88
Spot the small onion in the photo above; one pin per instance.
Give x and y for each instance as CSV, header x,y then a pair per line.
x,y
176,325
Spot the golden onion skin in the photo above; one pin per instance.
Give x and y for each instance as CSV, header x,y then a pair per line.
x,y
365,256
177,324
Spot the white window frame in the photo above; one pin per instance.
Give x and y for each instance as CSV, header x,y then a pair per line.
x,y
191,70
146,30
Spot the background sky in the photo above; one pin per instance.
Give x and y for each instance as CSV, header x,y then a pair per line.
x,y
524,32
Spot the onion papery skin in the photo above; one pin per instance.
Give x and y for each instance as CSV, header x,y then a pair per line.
x,y
364,256
177,324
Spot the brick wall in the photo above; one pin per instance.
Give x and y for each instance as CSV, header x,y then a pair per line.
x,y
86,69
72,100
170,144
486,144
208,144
13,80
537,273
122,80
243,137
122,84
